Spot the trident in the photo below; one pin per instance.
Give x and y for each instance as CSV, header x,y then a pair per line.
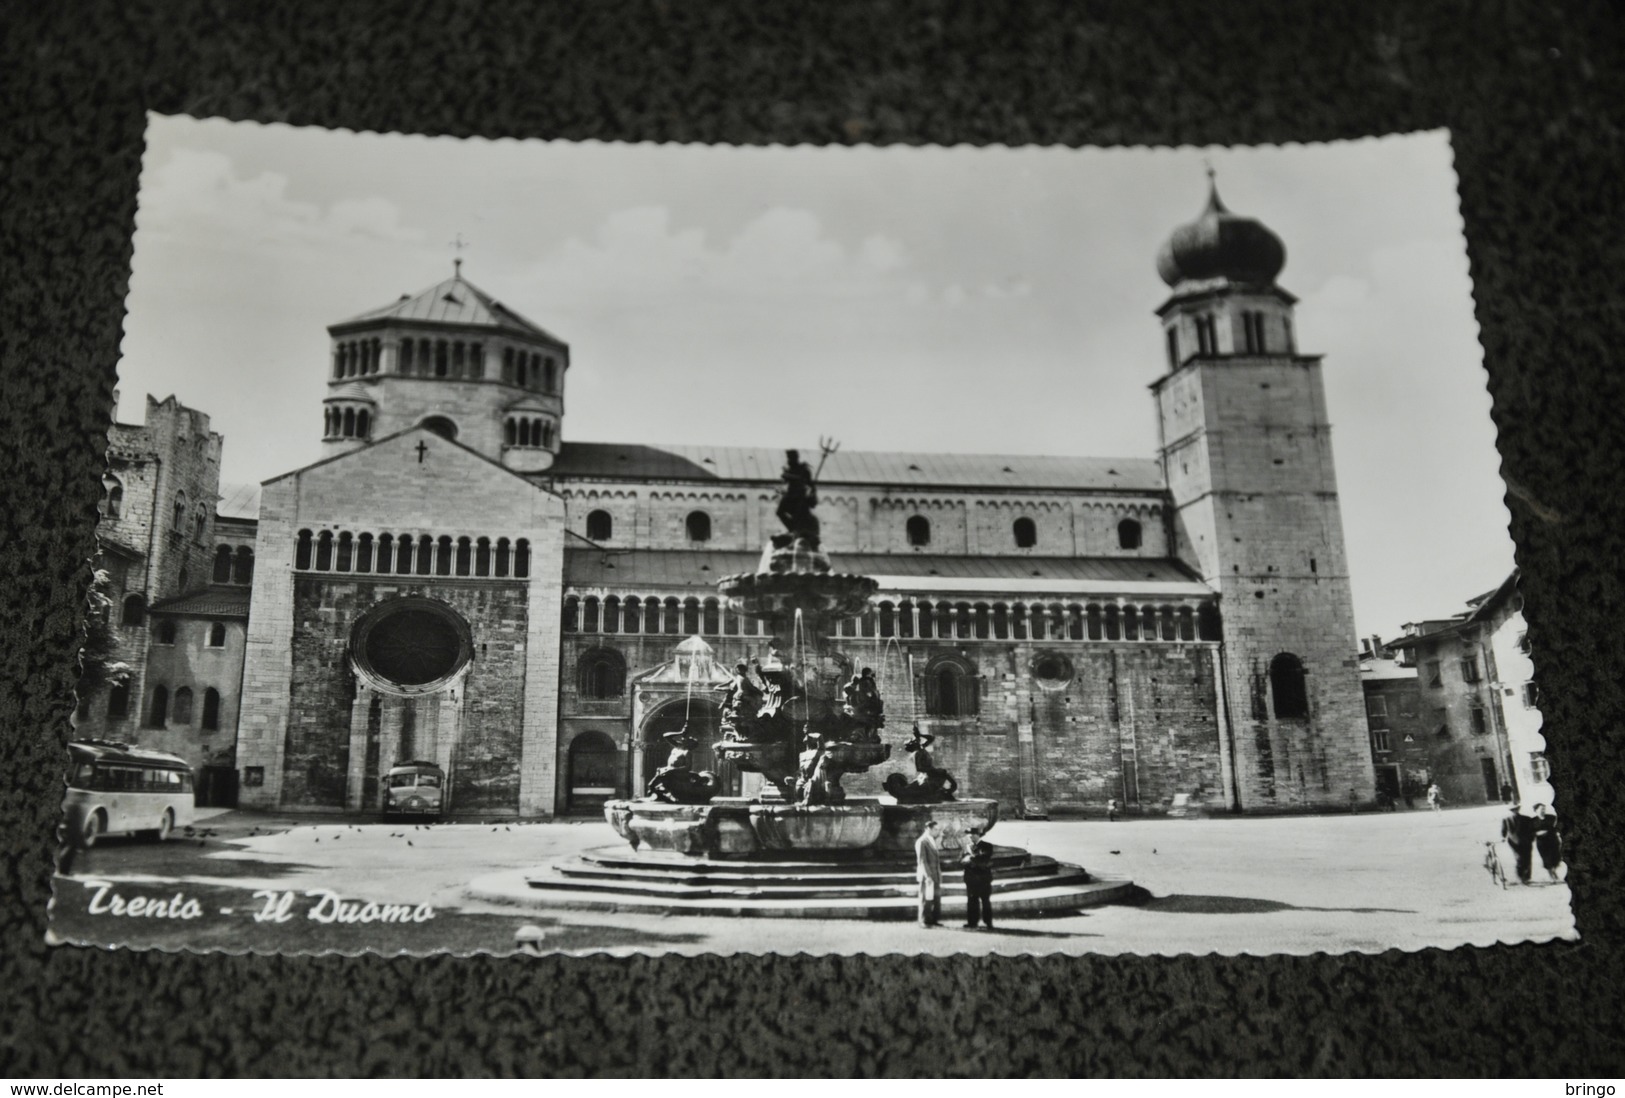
x,y
826,447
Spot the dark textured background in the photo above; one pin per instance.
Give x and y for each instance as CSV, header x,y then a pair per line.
x,y
1533,96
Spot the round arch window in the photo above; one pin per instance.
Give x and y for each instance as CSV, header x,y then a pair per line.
x,y
1051,670
411,645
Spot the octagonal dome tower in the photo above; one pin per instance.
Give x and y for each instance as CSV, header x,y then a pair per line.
x,y
454,359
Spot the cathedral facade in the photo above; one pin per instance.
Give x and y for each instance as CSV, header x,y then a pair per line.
x,y
455,581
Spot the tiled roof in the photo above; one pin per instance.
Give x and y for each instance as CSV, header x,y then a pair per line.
x,y
238,501
632,461
656,568
454,301
215,602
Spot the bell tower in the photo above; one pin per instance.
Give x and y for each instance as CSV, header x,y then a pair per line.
x,y
1246,452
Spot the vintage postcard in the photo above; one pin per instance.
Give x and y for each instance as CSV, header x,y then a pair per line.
x,y
536,546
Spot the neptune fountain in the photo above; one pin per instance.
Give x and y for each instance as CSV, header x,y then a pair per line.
x,y
802,716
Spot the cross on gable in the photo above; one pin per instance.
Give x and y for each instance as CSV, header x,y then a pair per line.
x,y
422,448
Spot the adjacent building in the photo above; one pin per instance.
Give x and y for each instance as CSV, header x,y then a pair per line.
x,y
1479,712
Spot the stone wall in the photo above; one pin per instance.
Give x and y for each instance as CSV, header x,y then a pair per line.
x,y
875,520
1135,722
192,663
304,740
489,700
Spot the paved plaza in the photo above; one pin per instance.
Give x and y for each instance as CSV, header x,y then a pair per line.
x,y
1294,884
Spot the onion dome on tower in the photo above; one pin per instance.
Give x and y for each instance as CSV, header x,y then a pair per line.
x,y
1225,302
1221,245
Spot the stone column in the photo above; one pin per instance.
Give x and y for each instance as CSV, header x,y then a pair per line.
x,y
355,779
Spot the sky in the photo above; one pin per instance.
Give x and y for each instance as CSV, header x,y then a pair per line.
x,y
961,300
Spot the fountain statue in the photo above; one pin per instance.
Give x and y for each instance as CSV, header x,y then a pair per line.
x,y
678,782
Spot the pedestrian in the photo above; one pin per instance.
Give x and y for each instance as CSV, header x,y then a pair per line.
x,y
1547,840
1519,833
1506,792
978,863
1112,809
928,874
1435,798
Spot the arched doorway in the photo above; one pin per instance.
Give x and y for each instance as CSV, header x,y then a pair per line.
x,y
704,721
594,770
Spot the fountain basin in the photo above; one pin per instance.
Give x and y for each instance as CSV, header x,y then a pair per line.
x,y
735,828
773,760
716,830
850,826
903,824
781,594
853,758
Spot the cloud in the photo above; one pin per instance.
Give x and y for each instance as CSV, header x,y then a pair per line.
x,y
638,258
199,195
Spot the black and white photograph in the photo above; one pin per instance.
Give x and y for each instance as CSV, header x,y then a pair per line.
x,y
549,547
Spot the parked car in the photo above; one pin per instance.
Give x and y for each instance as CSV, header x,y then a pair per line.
x,y
415,788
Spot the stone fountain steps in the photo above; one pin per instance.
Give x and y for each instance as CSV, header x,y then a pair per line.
x,y
584,873
786,889
657,884
1071,895
1006,860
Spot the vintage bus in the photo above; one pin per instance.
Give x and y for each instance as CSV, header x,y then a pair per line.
x,y
414,788
116,789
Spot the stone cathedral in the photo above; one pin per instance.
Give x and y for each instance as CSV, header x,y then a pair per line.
x,y
456,581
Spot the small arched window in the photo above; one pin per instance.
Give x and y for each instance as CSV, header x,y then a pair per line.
x,y
919,531
134,611
159,713
1026,532
950,690
115,499
118,700
1288,688
217,635
1128,534
211,710
200,524
301,554
179,525
699,526
602,674
441,426
600,527
363,424
222,564
521,559
165,632
182,711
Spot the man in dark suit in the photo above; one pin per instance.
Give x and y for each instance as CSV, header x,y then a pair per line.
x,y
978,863
928,874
